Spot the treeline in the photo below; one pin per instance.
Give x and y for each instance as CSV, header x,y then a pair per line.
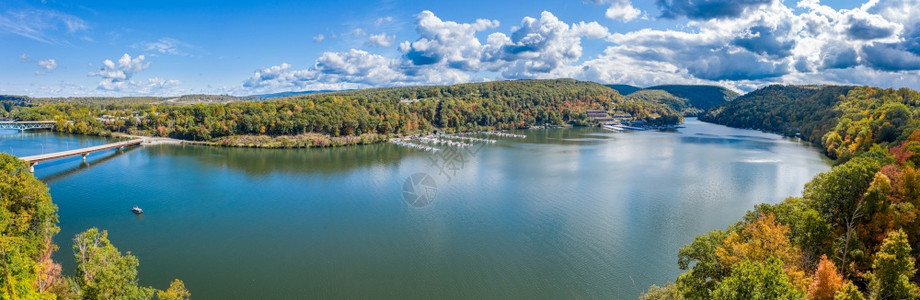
x,y
666,101
853,233
702,97
378,113
689,100
806,111
28,221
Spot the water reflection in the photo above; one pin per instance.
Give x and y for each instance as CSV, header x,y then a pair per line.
x,y
263,162
564,213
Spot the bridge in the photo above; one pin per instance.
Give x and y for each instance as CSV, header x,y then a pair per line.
x,y
35,159
26,125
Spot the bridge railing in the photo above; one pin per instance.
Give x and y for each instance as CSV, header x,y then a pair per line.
x,y
26,125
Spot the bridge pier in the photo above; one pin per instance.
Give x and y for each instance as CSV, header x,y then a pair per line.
x,y
84,152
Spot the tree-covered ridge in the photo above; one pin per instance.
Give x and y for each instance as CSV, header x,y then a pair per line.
x,y
371,115
688,100
852,234
676,105
842,120
28,221
624,89
788,110
700,96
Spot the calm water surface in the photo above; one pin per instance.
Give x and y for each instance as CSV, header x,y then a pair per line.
x,y
564,213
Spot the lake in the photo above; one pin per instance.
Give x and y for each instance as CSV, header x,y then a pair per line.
x,y
562,213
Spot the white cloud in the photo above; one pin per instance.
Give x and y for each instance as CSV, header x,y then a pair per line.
x,y
381,40
117,77
126,68
48,64
539,47
621,10
319,38
446,42
41,25
743,47
150,86
381,21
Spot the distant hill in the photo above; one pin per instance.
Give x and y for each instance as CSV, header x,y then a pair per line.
x,y
701,96
806,110
624,89
691,100
674,103
289,94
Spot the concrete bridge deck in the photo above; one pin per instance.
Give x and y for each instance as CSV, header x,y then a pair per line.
x,y
34,159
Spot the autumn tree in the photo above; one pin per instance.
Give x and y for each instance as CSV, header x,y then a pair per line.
x,y
176,291
827,281
760,241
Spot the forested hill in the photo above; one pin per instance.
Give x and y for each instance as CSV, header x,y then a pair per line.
x,y
624,89
700,96
788,110
843,120
677,105
853,232
688,99
367,115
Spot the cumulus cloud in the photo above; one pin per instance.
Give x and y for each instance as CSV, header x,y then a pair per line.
x,y
48,64
446,42
117,77
332,70
123,71
41,25
146,87
381,40
621,10
539,46
741,45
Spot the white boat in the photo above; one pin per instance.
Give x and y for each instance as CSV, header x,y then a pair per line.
x,y
137,210
613,127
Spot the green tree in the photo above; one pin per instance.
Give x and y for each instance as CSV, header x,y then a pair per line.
x,y
849,291
839,196
103,272
704,269
892,269
750,280
176,291
668,292
28,220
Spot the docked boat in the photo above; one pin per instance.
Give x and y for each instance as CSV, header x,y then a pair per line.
x,y
613,127
137,210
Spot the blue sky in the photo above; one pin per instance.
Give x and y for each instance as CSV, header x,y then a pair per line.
x,y
164,48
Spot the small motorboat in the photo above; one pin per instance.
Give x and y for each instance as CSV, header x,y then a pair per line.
x,y
137,210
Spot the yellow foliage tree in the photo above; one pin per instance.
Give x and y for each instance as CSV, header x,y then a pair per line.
x,y
761,240
827,281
